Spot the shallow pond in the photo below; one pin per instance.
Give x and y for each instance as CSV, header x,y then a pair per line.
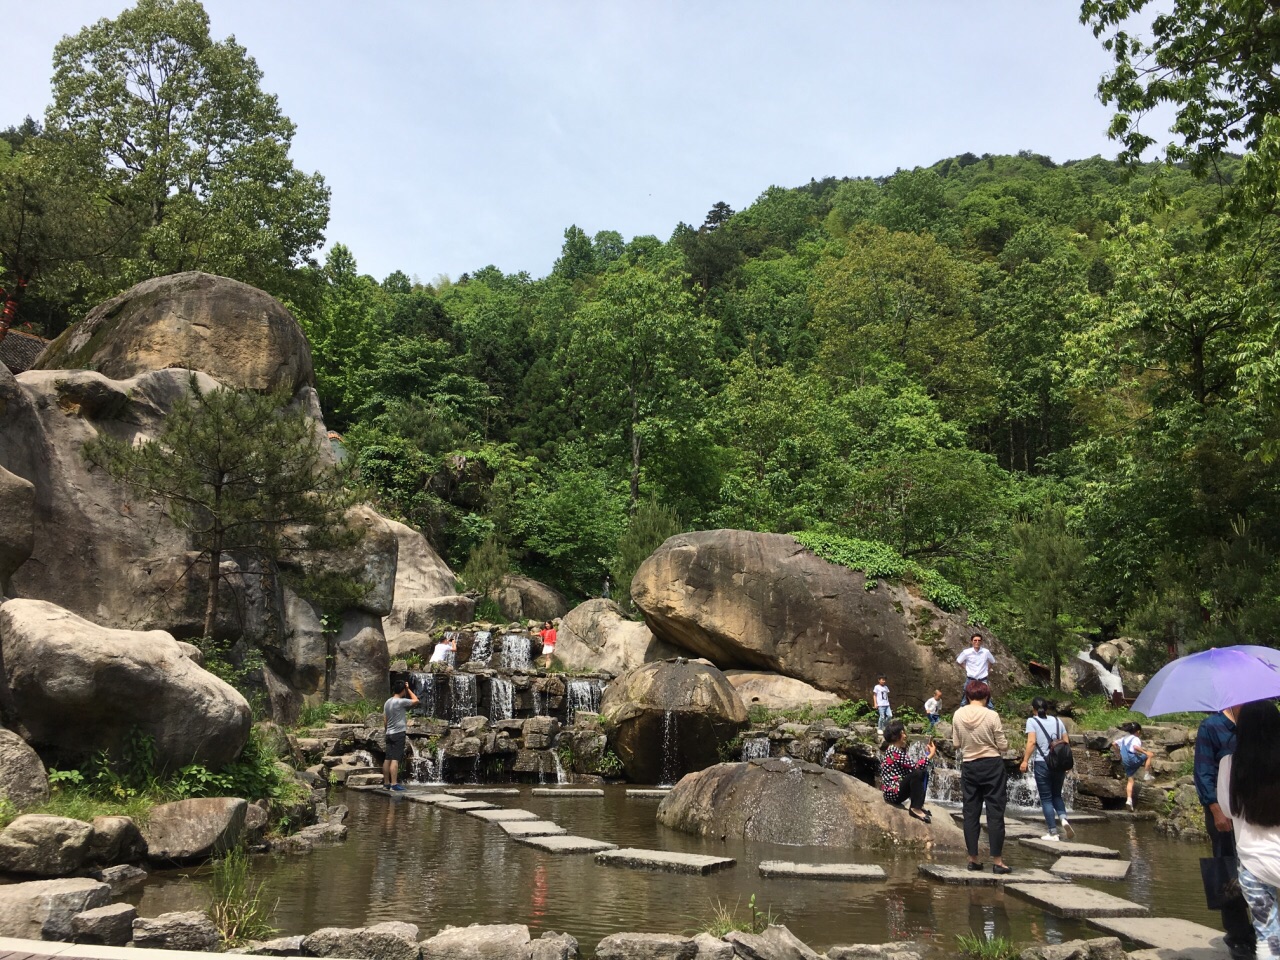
x,y
410,861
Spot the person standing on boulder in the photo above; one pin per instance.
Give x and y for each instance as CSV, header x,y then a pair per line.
x,y
977,662
395,724
880,697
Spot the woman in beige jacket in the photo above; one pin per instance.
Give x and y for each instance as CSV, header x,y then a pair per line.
x,y
979,738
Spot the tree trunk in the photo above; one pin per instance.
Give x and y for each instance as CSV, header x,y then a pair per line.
x,y
635,455
215,563
1057,670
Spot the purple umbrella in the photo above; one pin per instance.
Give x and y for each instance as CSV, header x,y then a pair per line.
x,y
1212,680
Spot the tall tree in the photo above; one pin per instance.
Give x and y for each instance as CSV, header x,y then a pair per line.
x,y
1046,568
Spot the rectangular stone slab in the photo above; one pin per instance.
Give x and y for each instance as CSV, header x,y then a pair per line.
x,y
984,878
646,794
821,871
1070,900
565,844
530,828
1090,868
465,805
664,860
1074,818
485,791
434,799
1165,933
497,816
1066,849
557,792
958,816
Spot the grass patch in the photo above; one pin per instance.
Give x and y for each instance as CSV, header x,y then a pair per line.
x,y
1091,713
975,947
318,714
725,919
80,804
237,907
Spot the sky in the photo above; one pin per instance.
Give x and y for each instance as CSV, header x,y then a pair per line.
x,y
456,135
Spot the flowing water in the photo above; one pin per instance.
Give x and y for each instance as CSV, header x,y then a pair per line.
x,y
501,699
755,748
516,651
423,686
583,695
670,750
462,695
481,647
408,861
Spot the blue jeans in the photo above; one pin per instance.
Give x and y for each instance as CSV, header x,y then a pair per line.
x,y
964,697
935,719
885,715
1049,786
1263,910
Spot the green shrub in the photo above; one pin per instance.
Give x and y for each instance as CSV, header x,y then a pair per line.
x,y
726,919
236,906
985,948
848,712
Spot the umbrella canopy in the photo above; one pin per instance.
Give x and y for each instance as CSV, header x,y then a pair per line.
x,y
1212,680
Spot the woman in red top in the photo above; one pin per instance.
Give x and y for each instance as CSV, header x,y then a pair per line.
x,y
902,778
548,635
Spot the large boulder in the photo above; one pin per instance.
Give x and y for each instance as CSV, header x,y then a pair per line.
x,y
384,941
523,598
495,941
115,683
670,717
773,691
17,524
44,909
361,660
595,637
194,829
44,846
762,601
422,581
23,780
791,802
228,329
192,930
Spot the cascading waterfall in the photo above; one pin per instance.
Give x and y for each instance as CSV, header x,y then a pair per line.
x,y
670,750
482,647
439,771
828,755
537,701
423,686
462,689
516,651
756,748
561,776
502,696
944,777
1020,789
583,695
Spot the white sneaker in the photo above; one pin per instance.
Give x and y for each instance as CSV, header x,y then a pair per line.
x,y
1067,829
1129,805
1148,778
1050,836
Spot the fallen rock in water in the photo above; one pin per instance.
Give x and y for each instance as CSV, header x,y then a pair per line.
x,y
23,780
194,829
191,930
228,329
497,941
595,636
384,941
116,683
773,691
523,598
109,926
796,803
761,601
44,846
43,909
646,946
670,717
775,943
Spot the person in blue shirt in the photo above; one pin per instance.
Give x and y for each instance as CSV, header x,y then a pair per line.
x,y
1215,740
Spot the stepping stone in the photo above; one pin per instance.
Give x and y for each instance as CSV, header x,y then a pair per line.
x,y
1186,938
1069,900
958,817
364,780
1019,831
1090,868
498,816
1075,818
466,805
486,791
436,799
1071,849
565,844
664,860
821,871
561,792
646,794
985,878
530,828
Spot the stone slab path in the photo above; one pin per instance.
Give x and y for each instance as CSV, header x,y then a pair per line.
x,y
646,793
565,844
464,805
664,860
821,871
1071,849
1074,818
531,828
1179,937
435,799
958,817
1090,868
566,792
485,791
984,878
1069,900
500,815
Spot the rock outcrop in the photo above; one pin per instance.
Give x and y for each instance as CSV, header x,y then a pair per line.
x,y
425,588
23,780
192,930
44,909
773,691
762,601
115,683
44,846
791,802
523,598
17,526
495,941
234,332
595,636
670,717
194,829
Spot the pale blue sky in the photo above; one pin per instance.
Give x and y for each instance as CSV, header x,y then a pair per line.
x,y
462,134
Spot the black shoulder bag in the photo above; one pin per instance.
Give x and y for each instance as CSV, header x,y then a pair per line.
x,y
1058,756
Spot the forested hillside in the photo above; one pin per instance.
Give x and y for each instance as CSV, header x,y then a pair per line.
x,y
1050,382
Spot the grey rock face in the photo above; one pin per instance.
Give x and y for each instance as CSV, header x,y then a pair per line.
x,y
595,636
43,909
191,930
115,840
44,846
384,941
23,780
109,926
775,943
499,941
194,829
646,946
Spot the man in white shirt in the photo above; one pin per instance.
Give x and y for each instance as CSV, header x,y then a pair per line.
x,y
977,661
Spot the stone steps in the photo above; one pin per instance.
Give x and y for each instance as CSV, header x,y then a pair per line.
x,y
1067,849
984,878
821,871
664,860
565,844
1090,868
647,794
1168,936
567,792
531,828
502,815
1070,900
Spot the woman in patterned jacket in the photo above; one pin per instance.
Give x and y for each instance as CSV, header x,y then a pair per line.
x,y
902,778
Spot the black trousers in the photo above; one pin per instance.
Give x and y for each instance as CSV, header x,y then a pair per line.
x,y
1235,915
982,781
912,787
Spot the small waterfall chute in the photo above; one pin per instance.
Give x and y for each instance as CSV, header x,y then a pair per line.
x,y
481,647
583,694
502,696
462,691
670,750
423,686
517,651
755,748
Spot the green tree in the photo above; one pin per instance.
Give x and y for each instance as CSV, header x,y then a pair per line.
x,y
648,528
161,118
241,472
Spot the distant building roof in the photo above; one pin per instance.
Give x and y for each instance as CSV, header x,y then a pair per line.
x,y
18,350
